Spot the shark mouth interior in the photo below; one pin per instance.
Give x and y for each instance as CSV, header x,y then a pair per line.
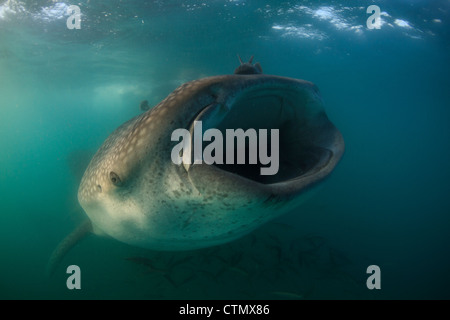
x,y
305,133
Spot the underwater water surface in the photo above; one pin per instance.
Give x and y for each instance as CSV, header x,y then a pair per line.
x,y
387,203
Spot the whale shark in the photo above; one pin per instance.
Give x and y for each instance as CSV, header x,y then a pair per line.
x,y
132,191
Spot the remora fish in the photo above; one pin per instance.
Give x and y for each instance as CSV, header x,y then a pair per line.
x,y
133,192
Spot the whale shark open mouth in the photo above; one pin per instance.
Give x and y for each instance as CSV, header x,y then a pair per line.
x,y
308,144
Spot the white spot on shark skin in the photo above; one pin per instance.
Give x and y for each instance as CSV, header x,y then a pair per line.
x,y
143,132
140,142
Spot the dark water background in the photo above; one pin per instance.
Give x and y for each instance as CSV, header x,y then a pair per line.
x,y
387,203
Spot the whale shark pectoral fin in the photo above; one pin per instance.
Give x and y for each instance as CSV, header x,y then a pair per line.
x,y
66,244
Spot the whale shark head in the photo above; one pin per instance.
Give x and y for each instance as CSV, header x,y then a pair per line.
x,y
133,191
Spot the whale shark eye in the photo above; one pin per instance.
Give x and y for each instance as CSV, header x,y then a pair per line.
x,y
115,179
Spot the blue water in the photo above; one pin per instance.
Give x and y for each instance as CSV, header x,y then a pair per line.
x,y
387,203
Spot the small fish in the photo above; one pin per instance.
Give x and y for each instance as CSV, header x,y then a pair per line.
x,y
144,105
220,258
307,244
148,264
338,258
236,258
187,279
282,226
277,250
181,261
140,260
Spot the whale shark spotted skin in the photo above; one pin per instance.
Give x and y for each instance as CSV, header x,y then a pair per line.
x,y
133,192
